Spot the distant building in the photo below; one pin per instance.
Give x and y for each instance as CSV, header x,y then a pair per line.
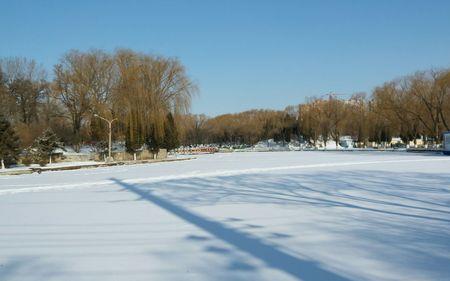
x,y
346,142
396,140
446,143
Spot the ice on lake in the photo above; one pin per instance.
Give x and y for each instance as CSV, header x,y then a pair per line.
x,y
237,216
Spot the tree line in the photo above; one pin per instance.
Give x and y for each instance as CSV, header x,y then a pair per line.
x,y
145,93
412,107
150,97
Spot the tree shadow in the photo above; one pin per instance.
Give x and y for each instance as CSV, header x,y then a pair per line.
x,y
385,193
270,255
29,267
404,213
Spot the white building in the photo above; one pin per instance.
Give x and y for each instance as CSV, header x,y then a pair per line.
x,y
446,142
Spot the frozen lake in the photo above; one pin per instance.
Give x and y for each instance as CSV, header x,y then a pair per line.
x,y
239,216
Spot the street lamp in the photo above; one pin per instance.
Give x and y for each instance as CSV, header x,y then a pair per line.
x,y
109,159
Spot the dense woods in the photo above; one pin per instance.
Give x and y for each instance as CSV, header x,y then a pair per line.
x,y
149,98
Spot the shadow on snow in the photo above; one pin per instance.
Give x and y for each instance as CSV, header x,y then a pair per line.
x,y
273,257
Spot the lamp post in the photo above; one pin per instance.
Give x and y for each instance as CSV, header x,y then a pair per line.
x,y
109,159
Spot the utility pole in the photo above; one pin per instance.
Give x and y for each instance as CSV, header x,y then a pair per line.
x,y
109,159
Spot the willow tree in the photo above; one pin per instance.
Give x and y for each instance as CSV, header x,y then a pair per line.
x,y
416,104
337,111
192,129
442,89
356,121
148,89
309,120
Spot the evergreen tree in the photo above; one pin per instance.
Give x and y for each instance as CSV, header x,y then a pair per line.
x,y
9,143
44,146
133,140
171,140
98,134
154,141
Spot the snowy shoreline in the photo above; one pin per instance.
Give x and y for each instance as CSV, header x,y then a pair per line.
x,y
19,170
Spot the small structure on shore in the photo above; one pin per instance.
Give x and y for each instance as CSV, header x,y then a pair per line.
x,y
446,143
196,150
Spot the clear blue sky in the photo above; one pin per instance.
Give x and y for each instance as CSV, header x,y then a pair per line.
x,y
245,54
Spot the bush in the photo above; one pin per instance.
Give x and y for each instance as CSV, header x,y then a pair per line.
x,y
27,160
42,162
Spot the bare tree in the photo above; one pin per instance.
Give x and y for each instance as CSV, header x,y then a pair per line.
x,y
8,104
83,83
26,86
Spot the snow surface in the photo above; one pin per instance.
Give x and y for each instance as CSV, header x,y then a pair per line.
x,y
234,216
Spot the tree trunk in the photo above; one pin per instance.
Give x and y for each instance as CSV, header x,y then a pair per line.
x,y
76,129
3,164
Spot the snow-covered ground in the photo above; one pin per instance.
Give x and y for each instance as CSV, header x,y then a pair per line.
x,y
235,216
